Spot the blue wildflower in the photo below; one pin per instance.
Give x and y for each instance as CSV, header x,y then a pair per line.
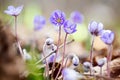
x,y
14,11
51,58
107,36
69,27
39,22
76,17
57,18
70,74
95,28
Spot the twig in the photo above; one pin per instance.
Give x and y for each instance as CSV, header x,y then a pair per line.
x,y
61,46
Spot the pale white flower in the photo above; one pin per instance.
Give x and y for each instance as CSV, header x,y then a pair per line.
x,y
75,60
70,74
14,11
101,61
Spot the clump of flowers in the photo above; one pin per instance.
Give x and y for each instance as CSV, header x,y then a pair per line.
x,y
51,50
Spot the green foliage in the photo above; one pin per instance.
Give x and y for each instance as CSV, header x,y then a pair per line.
x,y
35,71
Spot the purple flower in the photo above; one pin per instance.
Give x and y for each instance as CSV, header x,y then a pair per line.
x,y
101,61
70,74
14,11
107,36
39,22
51,58
76,17
95,28
57,18
69,27
75,60
86,66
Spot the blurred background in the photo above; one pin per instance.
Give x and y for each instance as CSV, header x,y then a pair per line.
x,y
105,11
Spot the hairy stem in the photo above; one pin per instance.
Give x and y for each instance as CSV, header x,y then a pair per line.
x,y
46,67
59,40
63,56
17,41
91,54
109,57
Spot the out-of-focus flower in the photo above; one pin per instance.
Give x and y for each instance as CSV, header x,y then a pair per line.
x,y
27,56
70,74
95,28
69,27
49,41
39,22
49,46
76,17
57,18
86,66
14,11
107,36
101,61
50,58
75,60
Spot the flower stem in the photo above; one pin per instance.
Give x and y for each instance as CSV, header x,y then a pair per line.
x,y
100,71
17,41
63,56
91,54
109,57
46,67
59,40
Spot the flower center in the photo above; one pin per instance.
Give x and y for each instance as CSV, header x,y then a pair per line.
x,y
58,20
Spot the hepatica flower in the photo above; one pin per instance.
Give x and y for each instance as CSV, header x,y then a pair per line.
x,y
101,61
69,27
57,18
14,11
95,28
39,22
86,66
70,74
75,60
107,36
76,17
51,58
